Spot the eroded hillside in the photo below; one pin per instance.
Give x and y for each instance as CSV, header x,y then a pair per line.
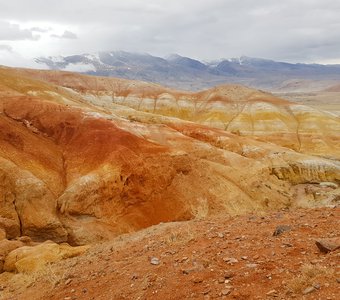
x,y
85,159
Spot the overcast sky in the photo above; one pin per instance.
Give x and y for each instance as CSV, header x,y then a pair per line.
x,y
287,30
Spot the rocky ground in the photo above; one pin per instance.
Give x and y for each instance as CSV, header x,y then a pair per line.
x,y
271,256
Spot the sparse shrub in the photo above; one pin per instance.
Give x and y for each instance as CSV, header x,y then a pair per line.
x,y
309,275
180,236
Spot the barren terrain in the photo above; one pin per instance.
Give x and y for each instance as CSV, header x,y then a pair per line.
x,y
128,190
217,258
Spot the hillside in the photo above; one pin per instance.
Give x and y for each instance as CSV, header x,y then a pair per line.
x,y
85,159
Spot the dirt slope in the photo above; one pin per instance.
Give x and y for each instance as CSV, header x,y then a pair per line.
x,y
219,258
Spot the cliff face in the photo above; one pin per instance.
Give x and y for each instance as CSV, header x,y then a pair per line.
x,y
84,159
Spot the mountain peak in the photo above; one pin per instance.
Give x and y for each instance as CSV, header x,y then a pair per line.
x,y
187,73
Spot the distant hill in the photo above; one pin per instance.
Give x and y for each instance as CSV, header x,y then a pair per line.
x,y
190,74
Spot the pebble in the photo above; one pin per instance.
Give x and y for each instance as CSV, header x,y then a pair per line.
x,y
230,260
272,293
197,280
226,292
154,261
68,281
221,280
187,271
308,290
338,280
281,229
228,274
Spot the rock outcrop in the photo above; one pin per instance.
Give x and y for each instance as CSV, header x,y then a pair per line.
x,y
29,259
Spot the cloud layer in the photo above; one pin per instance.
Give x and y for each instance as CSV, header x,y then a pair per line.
x,y
290,30
13,32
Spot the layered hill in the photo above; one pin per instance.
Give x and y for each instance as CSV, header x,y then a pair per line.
x,y
84,159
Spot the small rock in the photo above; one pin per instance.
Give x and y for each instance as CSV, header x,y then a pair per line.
x,y
154,261
187,271
220,235
251,265
281,229
315,261
272,293
328,244
228,274
221,280
244,257
308,290
206,291
68,281
230,260
316,286
338,280
197,280
226,292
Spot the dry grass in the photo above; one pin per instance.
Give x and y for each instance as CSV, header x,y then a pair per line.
x,y
22,281
309,276
179,236
200,210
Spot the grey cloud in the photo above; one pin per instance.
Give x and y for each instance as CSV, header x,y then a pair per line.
x,y
41,30
291,30
66,35
13,32
7,48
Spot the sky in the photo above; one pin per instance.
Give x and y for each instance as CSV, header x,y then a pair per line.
x,y
290,30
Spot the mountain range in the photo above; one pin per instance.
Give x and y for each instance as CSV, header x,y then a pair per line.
x,y
191,74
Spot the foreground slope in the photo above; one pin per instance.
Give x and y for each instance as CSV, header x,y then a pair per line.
x,y
217,258
85,159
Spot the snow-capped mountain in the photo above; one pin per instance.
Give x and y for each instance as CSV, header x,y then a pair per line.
x,y
188,73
